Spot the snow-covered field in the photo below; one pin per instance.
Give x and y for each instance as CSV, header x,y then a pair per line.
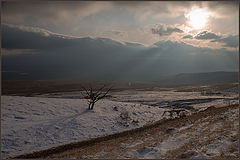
x,y
33,123
36,123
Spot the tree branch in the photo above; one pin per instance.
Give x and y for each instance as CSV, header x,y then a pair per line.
x,y
98,93
104,94
85,90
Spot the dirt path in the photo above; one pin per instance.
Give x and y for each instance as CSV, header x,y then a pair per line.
x,y
207,134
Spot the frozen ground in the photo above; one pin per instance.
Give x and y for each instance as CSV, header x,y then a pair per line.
x,y
207,138
35,123
212,133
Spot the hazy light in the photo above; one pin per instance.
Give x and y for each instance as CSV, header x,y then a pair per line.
x,y
198,18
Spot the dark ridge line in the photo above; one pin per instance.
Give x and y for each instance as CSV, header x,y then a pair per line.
x,y
61,148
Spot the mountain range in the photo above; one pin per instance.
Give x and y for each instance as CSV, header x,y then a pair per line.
x,y
36,54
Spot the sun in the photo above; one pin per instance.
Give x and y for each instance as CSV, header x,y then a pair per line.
x,y
198,18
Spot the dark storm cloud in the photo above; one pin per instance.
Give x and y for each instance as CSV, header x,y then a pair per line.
x,y
226,6
59,56
55,10
230,41
187,37
204,35
31,38
22,37
47,12
166,8
164,30
140,6
92,18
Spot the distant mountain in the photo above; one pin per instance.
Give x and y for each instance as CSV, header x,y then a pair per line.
x,y
45,55
207,78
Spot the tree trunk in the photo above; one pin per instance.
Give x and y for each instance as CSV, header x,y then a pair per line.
x,y
92,106
89,106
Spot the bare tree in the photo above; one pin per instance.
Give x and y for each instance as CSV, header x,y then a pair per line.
x,y
94,95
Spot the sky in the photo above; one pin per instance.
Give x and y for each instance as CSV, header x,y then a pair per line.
x,y
140,22
201,30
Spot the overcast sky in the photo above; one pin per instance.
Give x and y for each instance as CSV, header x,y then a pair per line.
x,y
95,39
141,22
